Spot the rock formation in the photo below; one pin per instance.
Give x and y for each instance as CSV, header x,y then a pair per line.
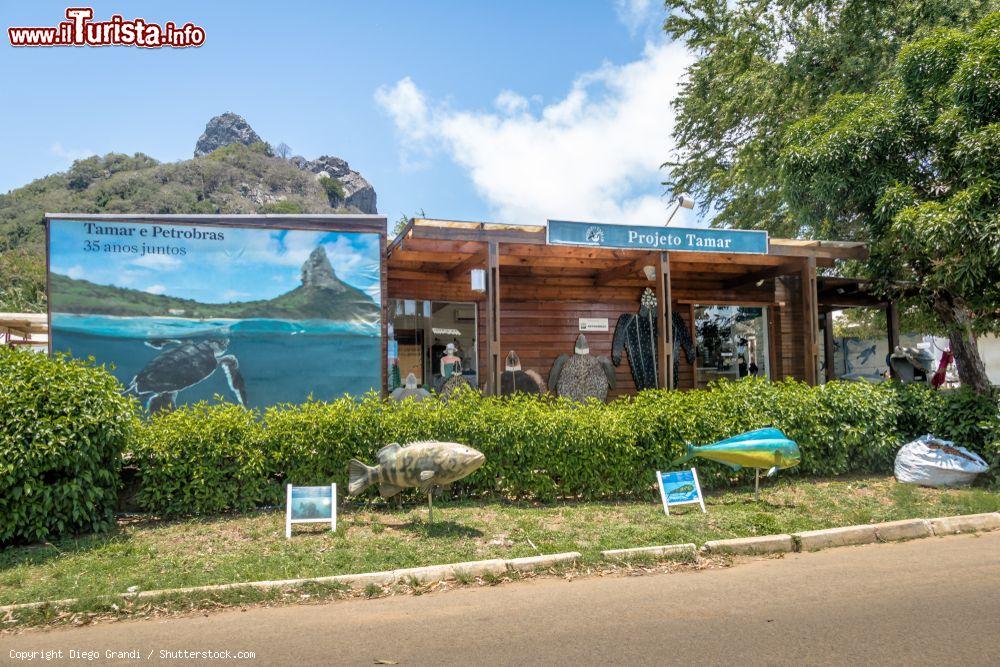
x,y
229,128
318,272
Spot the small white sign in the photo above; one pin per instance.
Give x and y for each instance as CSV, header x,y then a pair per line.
x,y
593,324
310,504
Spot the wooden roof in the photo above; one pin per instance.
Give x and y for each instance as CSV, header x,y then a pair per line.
x,y
24,324
453,247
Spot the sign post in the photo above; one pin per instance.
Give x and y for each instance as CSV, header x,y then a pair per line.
x,y
680,487
310,504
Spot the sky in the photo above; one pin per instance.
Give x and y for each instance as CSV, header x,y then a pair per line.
x,y
240,265
513,112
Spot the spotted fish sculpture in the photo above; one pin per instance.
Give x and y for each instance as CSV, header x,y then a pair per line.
x,y
420,465
763,448
514,380
581,376
636,334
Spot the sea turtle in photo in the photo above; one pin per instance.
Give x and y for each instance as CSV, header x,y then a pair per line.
x,y
183,364
513,379
581,376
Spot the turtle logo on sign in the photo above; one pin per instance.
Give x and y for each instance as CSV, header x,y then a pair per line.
x,y
595,234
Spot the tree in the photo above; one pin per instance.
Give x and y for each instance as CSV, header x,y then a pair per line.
x,y
283,150
915,166
764,64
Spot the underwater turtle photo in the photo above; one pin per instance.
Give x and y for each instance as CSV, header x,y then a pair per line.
x,y
581,376
183,364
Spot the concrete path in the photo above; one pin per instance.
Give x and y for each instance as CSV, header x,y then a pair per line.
x,y
932,601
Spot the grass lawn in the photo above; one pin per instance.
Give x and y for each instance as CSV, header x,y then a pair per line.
x,y
167,554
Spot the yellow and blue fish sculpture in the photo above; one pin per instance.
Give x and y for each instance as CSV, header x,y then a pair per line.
x,y
418,464
763,448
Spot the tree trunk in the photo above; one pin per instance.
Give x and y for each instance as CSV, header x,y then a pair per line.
x,y
958,321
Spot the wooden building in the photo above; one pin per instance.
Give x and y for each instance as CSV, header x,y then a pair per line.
x,y
538,296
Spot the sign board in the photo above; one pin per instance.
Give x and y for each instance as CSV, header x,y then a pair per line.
x,y
680,487
182,311
645,237
593,324
310,504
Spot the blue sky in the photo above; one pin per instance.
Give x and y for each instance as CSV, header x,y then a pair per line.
x,y
245,265
512,111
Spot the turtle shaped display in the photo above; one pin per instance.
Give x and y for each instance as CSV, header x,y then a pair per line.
x,y
581,376
183,364
409,390
513,379
454,382
636,333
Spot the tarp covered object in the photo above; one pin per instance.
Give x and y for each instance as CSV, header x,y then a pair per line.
x,y
930,461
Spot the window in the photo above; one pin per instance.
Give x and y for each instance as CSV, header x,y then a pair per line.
x,y
426,338
732,343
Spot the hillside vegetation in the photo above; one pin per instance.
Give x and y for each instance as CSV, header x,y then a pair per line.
x,y
231,179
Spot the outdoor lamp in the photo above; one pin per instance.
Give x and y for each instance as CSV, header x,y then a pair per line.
x,y
683,200
478,280
650,272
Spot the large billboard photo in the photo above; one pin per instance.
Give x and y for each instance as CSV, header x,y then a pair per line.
x,y
187,312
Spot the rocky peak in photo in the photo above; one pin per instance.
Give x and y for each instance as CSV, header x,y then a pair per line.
x,y
229,128
318,272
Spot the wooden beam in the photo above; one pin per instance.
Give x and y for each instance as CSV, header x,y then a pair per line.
x,y
892,329
665,330
463,267
810,320
493,318
625,270
763,274
828,356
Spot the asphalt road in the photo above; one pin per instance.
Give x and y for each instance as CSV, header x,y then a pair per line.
x,y
932,601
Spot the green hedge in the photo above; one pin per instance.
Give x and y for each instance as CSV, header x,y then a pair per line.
x,y
204,459
63,427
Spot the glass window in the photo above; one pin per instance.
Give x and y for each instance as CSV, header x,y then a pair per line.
x,y
432,340
732,343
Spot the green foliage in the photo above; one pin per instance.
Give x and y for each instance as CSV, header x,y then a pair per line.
x,y
22,282
63,427
283,206
544,448
204,459
914,165
334,190
762,65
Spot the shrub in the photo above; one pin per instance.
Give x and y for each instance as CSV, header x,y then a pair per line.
x,y
547,448
203,459
63,426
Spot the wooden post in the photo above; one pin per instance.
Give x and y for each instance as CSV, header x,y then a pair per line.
x,y
810,320
828,356
892,329
665,330
493,318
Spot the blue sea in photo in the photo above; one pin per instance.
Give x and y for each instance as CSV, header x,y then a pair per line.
x,y
281,361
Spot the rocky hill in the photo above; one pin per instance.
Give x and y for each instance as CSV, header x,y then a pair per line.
x,y
233,171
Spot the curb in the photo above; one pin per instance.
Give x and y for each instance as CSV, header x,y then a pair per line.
x,y
811,540
763,544
687,550
814,540
541,562
967,523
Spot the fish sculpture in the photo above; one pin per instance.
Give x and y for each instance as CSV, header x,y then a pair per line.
x,y
417,465
636,334
763,448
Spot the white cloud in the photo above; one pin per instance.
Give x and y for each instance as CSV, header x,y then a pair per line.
x,y
76,272
636,13
592,155
70,154
157,262
156,289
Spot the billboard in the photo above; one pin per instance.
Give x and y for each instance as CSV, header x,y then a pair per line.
x,y
189,311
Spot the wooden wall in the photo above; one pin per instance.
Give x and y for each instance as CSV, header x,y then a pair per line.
x,y
539,317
